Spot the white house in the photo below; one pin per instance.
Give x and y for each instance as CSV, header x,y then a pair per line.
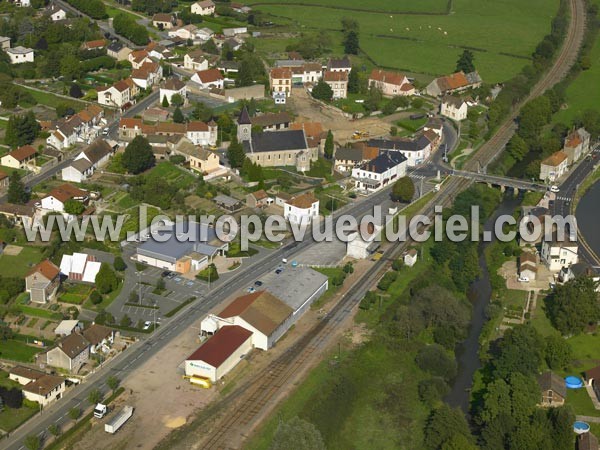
x,y
19,55
38,386
379,172
57,197
204,8
557,255
204,34
208,79
101,338
220,353
55,13
554,166
171,87
195,61
415,150
454,108
338,82
200,133
147,75
117,95
301,209
88,161
186,32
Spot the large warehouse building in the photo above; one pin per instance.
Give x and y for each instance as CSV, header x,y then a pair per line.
x,y
183,251
219,354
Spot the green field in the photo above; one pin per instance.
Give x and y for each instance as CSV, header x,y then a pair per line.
x,y
172,174
51,100
15,350
502,40
11,418
385,6
39,312
19,265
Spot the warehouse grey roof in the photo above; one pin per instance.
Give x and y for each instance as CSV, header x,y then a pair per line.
x,y
295,285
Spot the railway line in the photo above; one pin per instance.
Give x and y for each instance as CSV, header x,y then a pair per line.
x,y
241,408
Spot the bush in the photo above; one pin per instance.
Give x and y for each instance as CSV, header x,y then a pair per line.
x,y
433,390
95,297
119,264
434,360
387,280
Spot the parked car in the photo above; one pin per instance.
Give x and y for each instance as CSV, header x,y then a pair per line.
x,y
165,274
279,270
523,279
251,290
147,325
258,283
554,188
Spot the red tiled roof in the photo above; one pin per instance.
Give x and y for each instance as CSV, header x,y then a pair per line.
x,y
121,86
281,72
210,75
303,201
335,76
385,76
220,347
47,269
457,80
130,122
2,175
573,140
99,43
66,192
22,153
555,159
197,126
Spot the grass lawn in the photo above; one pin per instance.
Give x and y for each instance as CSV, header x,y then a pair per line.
x,y
75,293
19,265
7,382
11,418
16,350
581,403
174,175
431,44
106,301
51,100
385,6
321,168
412,125
39,312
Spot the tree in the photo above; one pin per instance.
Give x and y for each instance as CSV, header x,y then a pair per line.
x,y
16,190
33,442
558,352
119,264
113,383
160,284
433,390
435,360
235,153
443,426
403,190
165,102
178,116
95,297
244,77
177,100
298,434
521,350
328,149
95,396
204,113
351,44
465,62
21,130
574,305
322,91
63,110
106,279
74,413
74,207
138,155
353,82
125,321
75,91
54,430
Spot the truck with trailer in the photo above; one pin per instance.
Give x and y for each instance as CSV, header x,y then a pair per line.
x,y
117,421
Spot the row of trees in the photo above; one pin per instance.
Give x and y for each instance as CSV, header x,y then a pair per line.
x,y
126,26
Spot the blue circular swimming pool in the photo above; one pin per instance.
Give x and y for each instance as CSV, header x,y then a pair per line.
x,y
580,427
573,382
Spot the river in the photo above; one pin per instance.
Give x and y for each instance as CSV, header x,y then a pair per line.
x,y
588,217
479,293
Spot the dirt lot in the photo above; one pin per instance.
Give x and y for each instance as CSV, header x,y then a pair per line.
x,y
332,119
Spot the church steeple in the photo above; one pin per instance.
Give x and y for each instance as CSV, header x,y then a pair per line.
x,y
244,130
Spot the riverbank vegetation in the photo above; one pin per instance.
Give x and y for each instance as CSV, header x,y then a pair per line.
x,y
386,392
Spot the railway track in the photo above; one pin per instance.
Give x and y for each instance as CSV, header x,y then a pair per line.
x,y
250,400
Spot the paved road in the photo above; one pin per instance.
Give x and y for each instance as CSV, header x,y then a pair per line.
x,y
136,355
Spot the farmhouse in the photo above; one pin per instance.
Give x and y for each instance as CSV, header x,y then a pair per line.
x,y
577,144
554,166
220,353
70,354
42,282
391,84
261,313
171,87
59,196
338,82
454,108
456,82
301,209
203,8
280,80
21,158
210,78
195,61
380,171
554,390
20,55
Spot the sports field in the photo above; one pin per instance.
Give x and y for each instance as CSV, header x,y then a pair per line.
x,y
502,34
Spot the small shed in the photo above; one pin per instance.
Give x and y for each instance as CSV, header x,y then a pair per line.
x,y
228,203
410,257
